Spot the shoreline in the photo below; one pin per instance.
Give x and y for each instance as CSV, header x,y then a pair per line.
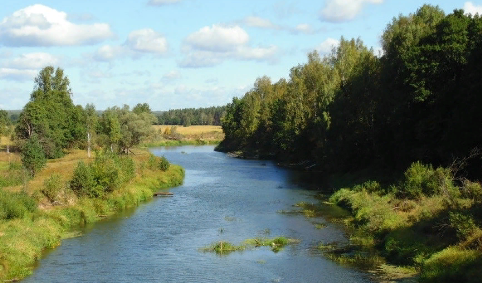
x,y
49,225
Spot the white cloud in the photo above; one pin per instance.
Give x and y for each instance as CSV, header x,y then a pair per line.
x,y
344,10
172,75
327,46
39,25
17,74
147,40
108,53
138,42
470,8
162,2
304,28
218,38
212,45
26,66
32,61
253,21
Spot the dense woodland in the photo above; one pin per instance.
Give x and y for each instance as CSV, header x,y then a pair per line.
x,y
353,109
192,116
398,131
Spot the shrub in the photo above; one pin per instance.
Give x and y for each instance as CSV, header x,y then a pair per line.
x,y
164,164
463,224
15,205
53,186
83,183
33,156
422,180
472,190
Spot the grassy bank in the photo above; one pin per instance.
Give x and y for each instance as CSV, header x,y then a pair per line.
x,y
429,222
38,213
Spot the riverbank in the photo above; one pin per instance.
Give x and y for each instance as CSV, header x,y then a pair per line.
x,y
426,226
27,230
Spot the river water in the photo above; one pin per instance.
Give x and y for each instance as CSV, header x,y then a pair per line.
x,y
222,199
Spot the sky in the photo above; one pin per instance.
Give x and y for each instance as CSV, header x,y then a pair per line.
x,y
176,54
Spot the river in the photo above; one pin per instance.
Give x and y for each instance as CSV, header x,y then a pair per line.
x,y
222,198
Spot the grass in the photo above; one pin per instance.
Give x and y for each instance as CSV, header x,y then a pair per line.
x,y
276,244
24,238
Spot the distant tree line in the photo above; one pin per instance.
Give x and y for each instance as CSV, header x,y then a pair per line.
x,y
192,116
419,100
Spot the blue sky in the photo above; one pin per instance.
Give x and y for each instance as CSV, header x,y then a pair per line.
x,y
178,53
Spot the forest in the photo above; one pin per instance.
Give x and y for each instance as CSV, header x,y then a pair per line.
x,y
402,125
191,116
418,101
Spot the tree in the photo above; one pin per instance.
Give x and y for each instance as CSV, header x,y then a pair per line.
x,y
33,156
51,114
91,121
142,108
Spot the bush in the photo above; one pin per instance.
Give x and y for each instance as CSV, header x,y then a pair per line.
x,y
463,224
83,183
15,205
53,186
472,190
164,164
33,155
422,180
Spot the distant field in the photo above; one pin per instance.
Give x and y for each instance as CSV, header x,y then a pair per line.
x,y
192,130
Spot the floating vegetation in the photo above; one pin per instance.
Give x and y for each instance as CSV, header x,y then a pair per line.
x,y
230,218
275,244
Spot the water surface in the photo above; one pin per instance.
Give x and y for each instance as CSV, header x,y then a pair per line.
x,y
222,198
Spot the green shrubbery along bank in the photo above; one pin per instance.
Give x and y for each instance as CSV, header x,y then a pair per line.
x,y
96,190
412,105
71,167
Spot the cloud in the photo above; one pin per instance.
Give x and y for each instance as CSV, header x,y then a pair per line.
x,y
327,46
470,8
39,25
344,10
26,66
32,61
147,41
162,2
218,38
254,21
170,76
138,43
17,74
212,45
304,28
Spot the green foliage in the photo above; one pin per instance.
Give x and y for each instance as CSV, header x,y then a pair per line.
x,y
53,187
83,183
33,156
424,180
107,173
15,205
51,114
199,116
164,164
452,265
463,224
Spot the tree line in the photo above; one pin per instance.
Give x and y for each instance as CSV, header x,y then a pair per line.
x,y
192,116
419,100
